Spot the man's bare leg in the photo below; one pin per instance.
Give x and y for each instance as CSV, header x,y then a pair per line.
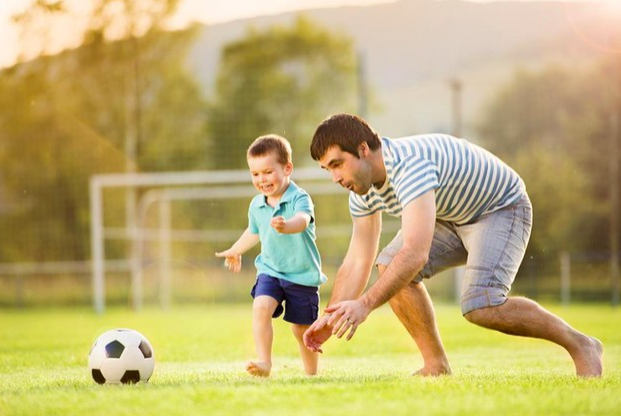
x,y
413,307
524,317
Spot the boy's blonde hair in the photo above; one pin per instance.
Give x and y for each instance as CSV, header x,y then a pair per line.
x,y
271,143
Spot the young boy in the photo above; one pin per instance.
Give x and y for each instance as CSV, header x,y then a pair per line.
x,y
289,265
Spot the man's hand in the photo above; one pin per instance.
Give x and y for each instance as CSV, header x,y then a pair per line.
x,y
232,260
318,333
347,316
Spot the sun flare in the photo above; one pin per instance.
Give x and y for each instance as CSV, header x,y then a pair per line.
x,y
605,35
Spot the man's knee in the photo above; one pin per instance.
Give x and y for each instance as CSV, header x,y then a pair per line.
x,y
483,316
473,316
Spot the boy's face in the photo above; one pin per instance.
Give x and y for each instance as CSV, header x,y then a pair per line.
x,y
269,176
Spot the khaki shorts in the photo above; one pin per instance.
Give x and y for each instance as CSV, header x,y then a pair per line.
x,y
492,248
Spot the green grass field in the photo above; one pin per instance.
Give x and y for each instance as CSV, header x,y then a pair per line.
x,y
201,351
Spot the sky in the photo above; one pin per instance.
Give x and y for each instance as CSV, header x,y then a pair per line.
x,y
204,11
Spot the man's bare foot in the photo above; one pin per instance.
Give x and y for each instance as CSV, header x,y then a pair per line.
x,y
433,372
259,369
588,359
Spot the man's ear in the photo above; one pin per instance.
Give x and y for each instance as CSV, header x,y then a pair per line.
x,y
363,150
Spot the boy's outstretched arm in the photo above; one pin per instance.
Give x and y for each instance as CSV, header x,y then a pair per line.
x,y
295,224
232,256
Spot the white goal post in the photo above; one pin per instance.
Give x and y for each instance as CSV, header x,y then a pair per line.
x,y
164,188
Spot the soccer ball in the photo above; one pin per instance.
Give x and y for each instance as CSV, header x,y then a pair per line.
x,y
121,356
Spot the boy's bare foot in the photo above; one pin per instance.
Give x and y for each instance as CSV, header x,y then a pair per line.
x,y
433,372
588,359
259,369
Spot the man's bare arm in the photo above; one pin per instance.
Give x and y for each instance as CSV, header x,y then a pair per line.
x,y
418,223
353,274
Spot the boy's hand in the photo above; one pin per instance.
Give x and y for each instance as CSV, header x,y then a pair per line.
x,y
279,223
232,260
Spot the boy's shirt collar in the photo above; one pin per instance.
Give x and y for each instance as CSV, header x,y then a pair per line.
x,y
287,196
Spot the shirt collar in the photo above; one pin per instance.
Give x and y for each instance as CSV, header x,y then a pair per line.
x,y
286,197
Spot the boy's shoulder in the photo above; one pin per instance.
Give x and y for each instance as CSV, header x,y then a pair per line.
x,y
257,201
295,192
297,188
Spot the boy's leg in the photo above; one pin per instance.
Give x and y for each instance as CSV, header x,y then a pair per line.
x,y
310,359
263,308
302,309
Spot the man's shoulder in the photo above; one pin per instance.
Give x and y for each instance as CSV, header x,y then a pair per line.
x,y
404,152
427,140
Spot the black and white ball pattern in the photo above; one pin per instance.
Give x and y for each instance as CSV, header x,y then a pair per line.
x,y
121,356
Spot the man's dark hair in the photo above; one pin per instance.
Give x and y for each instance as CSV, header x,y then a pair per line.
x,y
346,131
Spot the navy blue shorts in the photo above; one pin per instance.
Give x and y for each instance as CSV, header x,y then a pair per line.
x,y
301,302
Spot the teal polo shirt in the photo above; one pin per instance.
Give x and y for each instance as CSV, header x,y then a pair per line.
x,y
293,257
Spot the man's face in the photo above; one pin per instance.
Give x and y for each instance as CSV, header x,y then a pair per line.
x,y
349,171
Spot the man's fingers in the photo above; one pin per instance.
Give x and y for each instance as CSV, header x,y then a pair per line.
x,y
310,343
352,332
332,308
335,317
347,326
341,331
337,326
313,346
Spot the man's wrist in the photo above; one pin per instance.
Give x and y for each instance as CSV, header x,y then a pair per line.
x,y
366,302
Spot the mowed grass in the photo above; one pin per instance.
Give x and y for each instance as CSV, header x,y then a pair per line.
x,y
201,351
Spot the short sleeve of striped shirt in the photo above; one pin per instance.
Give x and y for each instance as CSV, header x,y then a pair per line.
x,y
413,177
358,206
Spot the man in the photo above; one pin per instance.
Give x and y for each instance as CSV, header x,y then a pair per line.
x,y
458,204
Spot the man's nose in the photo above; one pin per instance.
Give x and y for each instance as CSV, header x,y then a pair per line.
x,y
336,178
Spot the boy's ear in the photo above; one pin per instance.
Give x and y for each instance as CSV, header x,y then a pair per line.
x,y
288,168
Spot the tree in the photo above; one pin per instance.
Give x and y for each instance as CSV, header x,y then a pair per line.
x,y
282,80
552,127
64,118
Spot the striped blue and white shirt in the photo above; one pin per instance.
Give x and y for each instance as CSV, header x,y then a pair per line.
x,y
468,180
